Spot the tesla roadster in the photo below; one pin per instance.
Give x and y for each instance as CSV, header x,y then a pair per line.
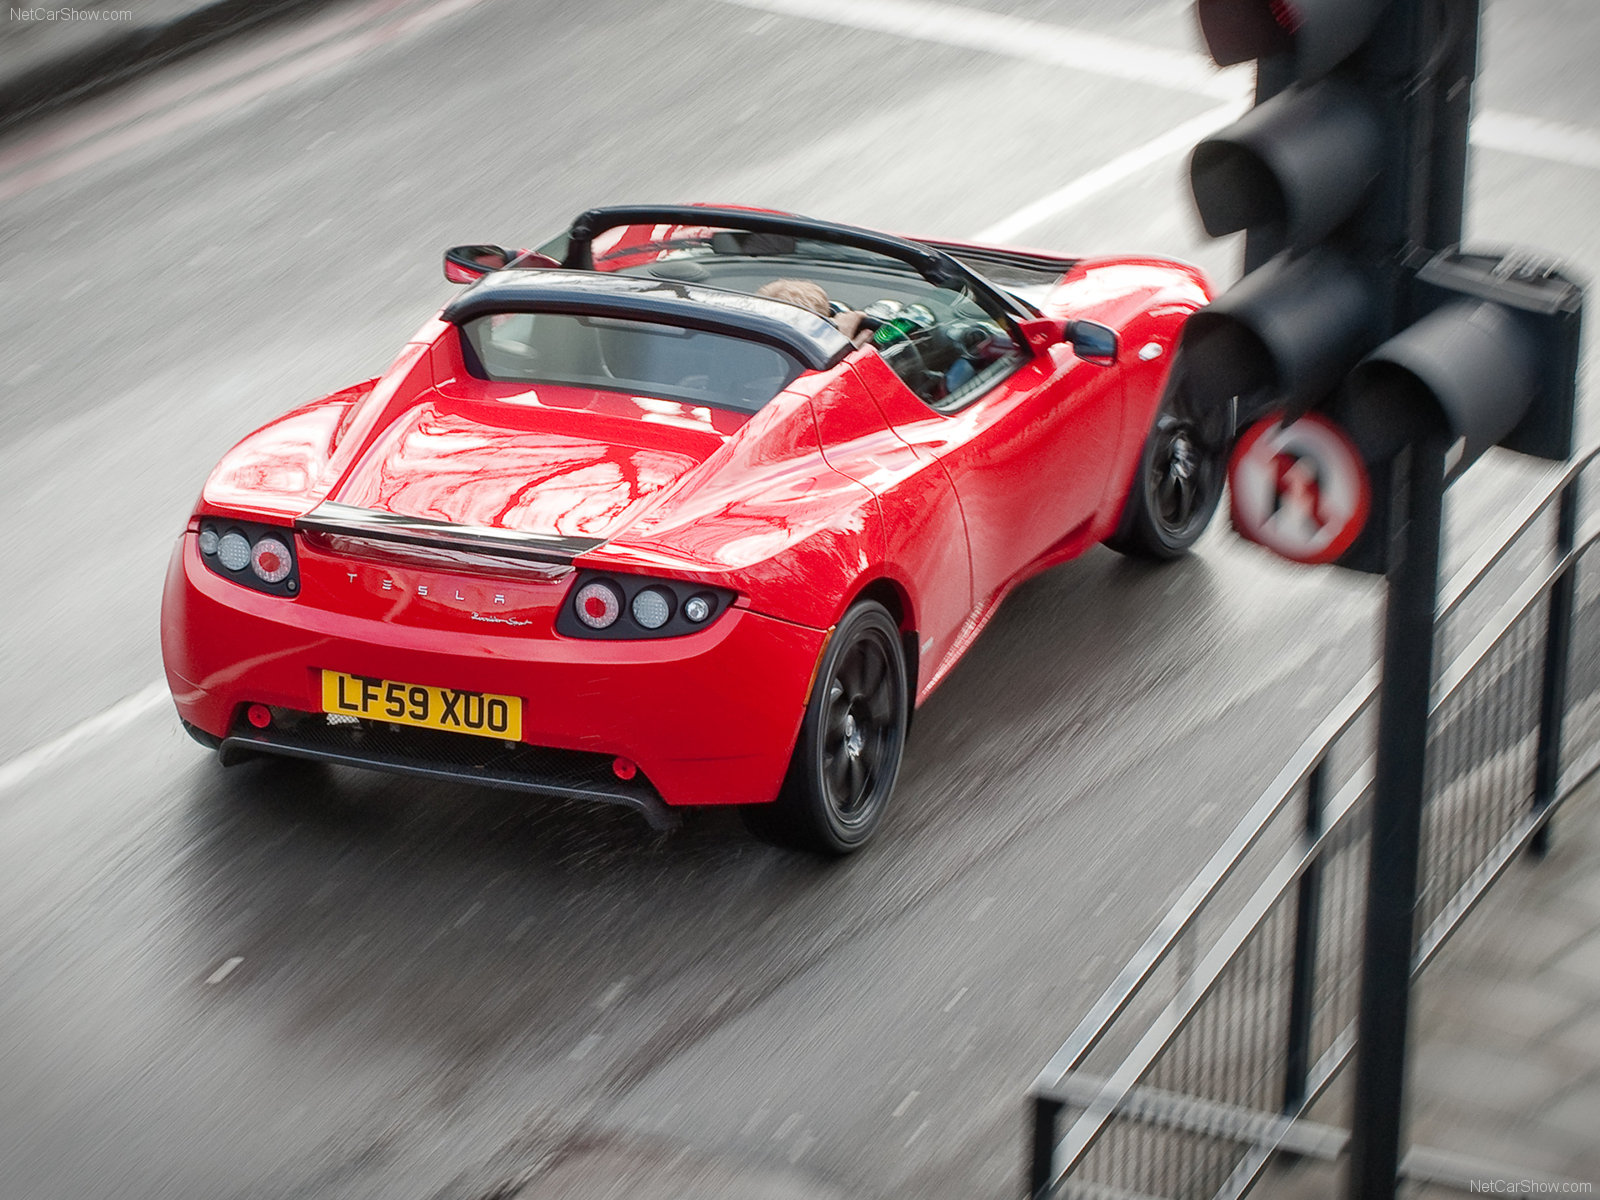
x,y
688,506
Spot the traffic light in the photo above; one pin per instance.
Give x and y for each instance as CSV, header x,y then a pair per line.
x,y
1316,35
1493,361
1497,352
1348,179
1314,175
1373,361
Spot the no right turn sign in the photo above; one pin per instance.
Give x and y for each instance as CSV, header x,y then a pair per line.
x,y
1300,489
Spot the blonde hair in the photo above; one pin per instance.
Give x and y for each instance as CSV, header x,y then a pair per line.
x,y
798,291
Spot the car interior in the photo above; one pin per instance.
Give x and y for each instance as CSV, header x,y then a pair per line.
x,y
946,343
942,342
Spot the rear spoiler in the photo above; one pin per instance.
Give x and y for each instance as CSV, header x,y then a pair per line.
x,y
347,520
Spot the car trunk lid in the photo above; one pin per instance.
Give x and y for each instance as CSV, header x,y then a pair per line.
x,y
568,465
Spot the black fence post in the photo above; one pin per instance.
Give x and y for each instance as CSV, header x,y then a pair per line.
x,y
1377,1115
1557,661
1303,980
1042,1169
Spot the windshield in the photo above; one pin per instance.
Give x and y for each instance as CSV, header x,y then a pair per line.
x,y
735,259
635,357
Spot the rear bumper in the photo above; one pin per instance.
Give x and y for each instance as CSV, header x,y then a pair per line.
x,y
573,774
709,719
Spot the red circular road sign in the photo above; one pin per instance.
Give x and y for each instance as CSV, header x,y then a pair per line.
x,y
1301,489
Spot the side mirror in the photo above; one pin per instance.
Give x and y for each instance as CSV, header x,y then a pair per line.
x,y
1092,341
468,264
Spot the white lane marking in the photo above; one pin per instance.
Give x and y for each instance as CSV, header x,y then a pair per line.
x,y
1018,37
916,1134
905,1104
1569,144
582,1049
224,970
1085,187
757,1119
955,1000
1137,62
612,994
124,712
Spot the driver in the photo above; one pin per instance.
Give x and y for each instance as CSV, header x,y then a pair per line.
x,y
808,295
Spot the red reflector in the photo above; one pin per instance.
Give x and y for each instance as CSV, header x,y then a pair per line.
x,y
624,768
259,715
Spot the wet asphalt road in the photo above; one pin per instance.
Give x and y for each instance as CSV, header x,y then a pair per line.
x,y
292,982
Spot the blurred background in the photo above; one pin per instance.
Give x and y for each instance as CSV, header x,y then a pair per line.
x,y
440,992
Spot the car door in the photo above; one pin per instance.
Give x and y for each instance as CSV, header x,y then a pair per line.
x,y
1026,443
925,537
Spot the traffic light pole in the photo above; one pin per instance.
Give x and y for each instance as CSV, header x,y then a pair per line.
x,y
1358,306
1404,696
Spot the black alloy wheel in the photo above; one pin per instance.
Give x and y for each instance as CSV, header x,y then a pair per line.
x,y
848,753
1174,477
1177,488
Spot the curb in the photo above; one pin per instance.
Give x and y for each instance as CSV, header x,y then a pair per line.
x,y
118,57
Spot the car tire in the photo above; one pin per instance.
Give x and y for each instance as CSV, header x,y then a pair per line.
x,y
847,755
1174,492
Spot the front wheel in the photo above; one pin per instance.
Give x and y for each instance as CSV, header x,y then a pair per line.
x,y
1174,493
848,753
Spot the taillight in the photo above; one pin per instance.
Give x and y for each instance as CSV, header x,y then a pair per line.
x,y
270,560
597,604
257,556
619,607
652,608
233,551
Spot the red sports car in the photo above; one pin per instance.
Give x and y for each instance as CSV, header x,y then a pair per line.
x,y
634,520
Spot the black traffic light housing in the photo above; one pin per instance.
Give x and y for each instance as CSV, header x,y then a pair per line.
x,y
1493,362
1301,161
1315,35
1307,174
1284,337
1348,177
1529,307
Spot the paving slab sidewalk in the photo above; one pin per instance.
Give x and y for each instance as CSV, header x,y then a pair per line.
x,y
54,53
1507,1034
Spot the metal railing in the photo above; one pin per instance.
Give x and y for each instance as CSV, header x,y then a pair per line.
x,y
1201,1060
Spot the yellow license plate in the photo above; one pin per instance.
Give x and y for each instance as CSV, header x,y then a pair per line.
x,y
426,707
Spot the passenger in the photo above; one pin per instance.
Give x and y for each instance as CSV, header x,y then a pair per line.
x,y
808,295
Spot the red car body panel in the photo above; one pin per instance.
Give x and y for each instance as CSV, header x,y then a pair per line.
x,y
723,706
844,481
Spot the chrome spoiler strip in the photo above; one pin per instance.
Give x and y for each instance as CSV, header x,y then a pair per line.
x,y
334,518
